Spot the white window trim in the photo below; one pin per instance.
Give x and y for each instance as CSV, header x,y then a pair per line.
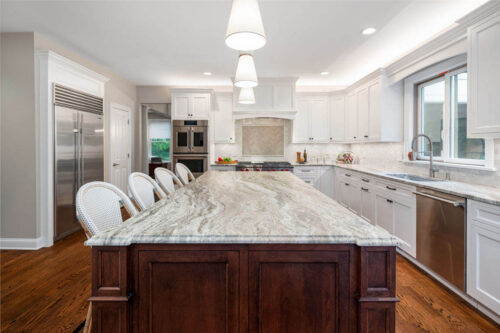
x,y
411,106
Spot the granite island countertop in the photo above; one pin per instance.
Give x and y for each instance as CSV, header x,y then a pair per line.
x,y
246,207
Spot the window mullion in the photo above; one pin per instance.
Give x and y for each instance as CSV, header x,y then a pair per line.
x,y
447,145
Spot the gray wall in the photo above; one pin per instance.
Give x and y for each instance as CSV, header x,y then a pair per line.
x,y
18,127
18,150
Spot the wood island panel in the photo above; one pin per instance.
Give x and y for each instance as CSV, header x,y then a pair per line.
x,y
186,288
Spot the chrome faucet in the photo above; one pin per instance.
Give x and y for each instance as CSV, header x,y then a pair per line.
x,y
432,170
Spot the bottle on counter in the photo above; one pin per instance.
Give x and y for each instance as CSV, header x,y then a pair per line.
x,y
298,157
305,156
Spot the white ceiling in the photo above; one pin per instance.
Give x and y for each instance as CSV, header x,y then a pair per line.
x,y
174,42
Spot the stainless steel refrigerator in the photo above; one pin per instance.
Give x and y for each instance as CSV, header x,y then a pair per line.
x,y
78,151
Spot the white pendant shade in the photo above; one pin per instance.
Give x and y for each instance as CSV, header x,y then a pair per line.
x,y
245,31
246,96
246,76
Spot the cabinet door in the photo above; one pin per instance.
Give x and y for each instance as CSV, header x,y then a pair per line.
x,y
223,120
363,114
320,119
337,119
384,213
352,117
483,115
483,253
200,106
405,225
367,204
326,178
343,193
375,111
180,107
301,128
352,196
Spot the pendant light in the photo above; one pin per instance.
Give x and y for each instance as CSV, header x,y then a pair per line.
x,y
246,96
245,31
246,76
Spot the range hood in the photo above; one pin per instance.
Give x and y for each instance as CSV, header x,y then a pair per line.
x,y
274,98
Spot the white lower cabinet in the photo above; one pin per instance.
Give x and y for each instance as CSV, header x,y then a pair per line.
x,y
367,210
320,177
483,254
384,212
390,205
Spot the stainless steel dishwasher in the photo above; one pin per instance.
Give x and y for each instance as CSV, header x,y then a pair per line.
x,y
441,227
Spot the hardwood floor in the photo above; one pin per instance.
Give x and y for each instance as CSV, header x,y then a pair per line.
x,y
47,291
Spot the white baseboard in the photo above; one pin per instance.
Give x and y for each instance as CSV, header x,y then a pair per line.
x,y
21,243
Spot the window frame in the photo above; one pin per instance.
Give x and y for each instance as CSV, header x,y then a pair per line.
x,y
446,153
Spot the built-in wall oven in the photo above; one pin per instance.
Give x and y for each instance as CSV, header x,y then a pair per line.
x,y
190,136
190,145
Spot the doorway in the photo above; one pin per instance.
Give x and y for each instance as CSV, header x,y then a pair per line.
x,y
119,143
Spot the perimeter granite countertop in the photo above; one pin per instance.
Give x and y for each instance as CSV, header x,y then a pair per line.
x,y
487,194
246,207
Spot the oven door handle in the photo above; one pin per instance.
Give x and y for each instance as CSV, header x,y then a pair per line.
x,y
454,203
191,139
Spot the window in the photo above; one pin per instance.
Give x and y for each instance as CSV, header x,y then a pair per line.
x,y
442,115
159,139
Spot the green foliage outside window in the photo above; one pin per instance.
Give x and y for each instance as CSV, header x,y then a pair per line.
x,y
161,148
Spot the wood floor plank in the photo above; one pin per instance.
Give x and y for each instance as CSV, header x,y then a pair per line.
x,y
47,291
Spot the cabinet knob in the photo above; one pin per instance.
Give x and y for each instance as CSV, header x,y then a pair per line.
x,y
354,137
366,136
389,201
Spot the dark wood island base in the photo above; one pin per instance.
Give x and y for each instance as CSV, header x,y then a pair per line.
x,y
243,288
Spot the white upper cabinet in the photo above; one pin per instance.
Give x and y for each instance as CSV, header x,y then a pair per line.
x,y
190,105
374,110
337,118
363,114
351,116
222,116
312,121
483,110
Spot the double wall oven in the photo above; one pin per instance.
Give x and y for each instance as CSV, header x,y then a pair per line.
x,y
190,145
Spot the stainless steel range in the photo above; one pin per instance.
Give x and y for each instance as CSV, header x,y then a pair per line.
x,y
264,166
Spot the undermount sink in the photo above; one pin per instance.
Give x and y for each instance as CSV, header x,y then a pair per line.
x,y
412,177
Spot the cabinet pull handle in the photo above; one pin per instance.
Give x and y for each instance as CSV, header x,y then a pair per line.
x,y
364,189
389,201
390,188
365,180
354,137
346,184
366,136
347,175
305,170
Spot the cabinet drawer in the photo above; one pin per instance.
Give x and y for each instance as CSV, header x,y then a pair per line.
x,y
306,170
395,188
484,213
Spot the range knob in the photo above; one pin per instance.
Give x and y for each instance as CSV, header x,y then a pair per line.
x,y
246,169
287,169
282,169
274,169
242,169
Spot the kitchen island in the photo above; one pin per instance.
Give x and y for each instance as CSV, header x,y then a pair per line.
x,y
244,252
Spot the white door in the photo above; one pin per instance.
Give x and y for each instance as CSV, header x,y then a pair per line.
x,y
352,117
337,119
363,114
320,119
120,145
223,119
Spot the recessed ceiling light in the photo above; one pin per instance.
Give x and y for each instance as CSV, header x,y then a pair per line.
x,y
207,73
324,73
368,31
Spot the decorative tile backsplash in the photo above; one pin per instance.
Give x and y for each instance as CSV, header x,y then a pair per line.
x,y
258,140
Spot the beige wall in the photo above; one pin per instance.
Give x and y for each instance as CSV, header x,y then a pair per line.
x,y
18,127
18,136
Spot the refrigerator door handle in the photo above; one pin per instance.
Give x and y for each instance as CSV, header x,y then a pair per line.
x,y
82,170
